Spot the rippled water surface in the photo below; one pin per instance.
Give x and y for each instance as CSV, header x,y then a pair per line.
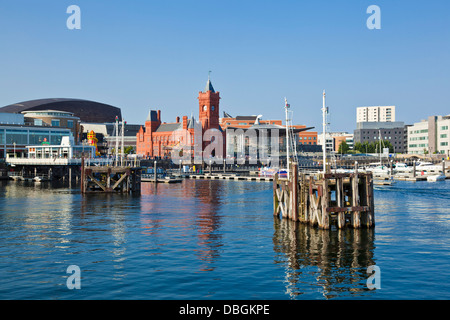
x,y
217,240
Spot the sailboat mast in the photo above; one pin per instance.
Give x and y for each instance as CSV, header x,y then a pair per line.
x,y
324,124
379,133
116,151
286,107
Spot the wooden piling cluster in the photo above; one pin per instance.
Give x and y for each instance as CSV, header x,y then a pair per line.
x,y
343,199
109,179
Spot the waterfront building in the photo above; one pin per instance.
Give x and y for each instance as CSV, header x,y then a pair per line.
x,y
334,140
306,140
157,138
430,136
394,132
244,122
67,149
15,137
375,114
87,111
54,118
326,141
340,137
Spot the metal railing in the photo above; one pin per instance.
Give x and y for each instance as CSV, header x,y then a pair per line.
x,y
57,161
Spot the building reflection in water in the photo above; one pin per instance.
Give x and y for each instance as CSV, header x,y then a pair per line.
x,y
196,207
336,259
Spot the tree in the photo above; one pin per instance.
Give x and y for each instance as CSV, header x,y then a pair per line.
x,y
128,150
343,148
373,147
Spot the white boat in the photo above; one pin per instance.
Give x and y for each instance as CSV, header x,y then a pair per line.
x,y
402,168
428,167
41,178
270,172
436,177
379,170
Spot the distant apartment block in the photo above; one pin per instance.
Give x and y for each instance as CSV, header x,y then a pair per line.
x,y
375,114
430,136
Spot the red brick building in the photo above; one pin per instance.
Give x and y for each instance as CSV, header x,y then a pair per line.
x,y
157,139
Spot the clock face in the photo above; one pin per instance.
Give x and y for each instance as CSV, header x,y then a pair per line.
x,y
204,108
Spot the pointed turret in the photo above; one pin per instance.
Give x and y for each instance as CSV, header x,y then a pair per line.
x,y
209,86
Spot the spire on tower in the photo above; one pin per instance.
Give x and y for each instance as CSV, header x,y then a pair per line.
x,y
209,86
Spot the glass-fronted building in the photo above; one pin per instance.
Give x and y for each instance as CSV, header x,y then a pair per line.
x,y
14,138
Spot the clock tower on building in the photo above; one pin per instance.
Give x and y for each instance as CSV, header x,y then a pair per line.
x,y
209,107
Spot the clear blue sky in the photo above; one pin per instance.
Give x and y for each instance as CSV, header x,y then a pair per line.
x,y
141,55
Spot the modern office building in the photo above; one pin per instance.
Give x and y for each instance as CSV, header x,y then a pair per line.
x,y
430,136
55,119
14,137
334,140
375,114
394,132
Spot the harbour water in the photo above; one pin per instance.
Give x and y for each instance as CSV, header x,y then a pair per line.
x,y
203,239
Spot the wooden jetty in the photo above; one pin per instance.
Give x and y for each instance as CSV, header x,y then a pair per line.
x,y
228,177
151,178
344,199
108,179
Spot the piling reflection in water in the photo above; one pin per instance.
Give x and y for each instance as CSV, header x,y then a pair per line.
x,y
105,214
336,259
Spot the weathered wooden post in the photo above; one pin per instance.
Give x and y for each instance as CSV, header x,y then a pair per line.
x,y
324,221
154,171
294,191
275,194
355,198
82,177
340,202
414,168
108,179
